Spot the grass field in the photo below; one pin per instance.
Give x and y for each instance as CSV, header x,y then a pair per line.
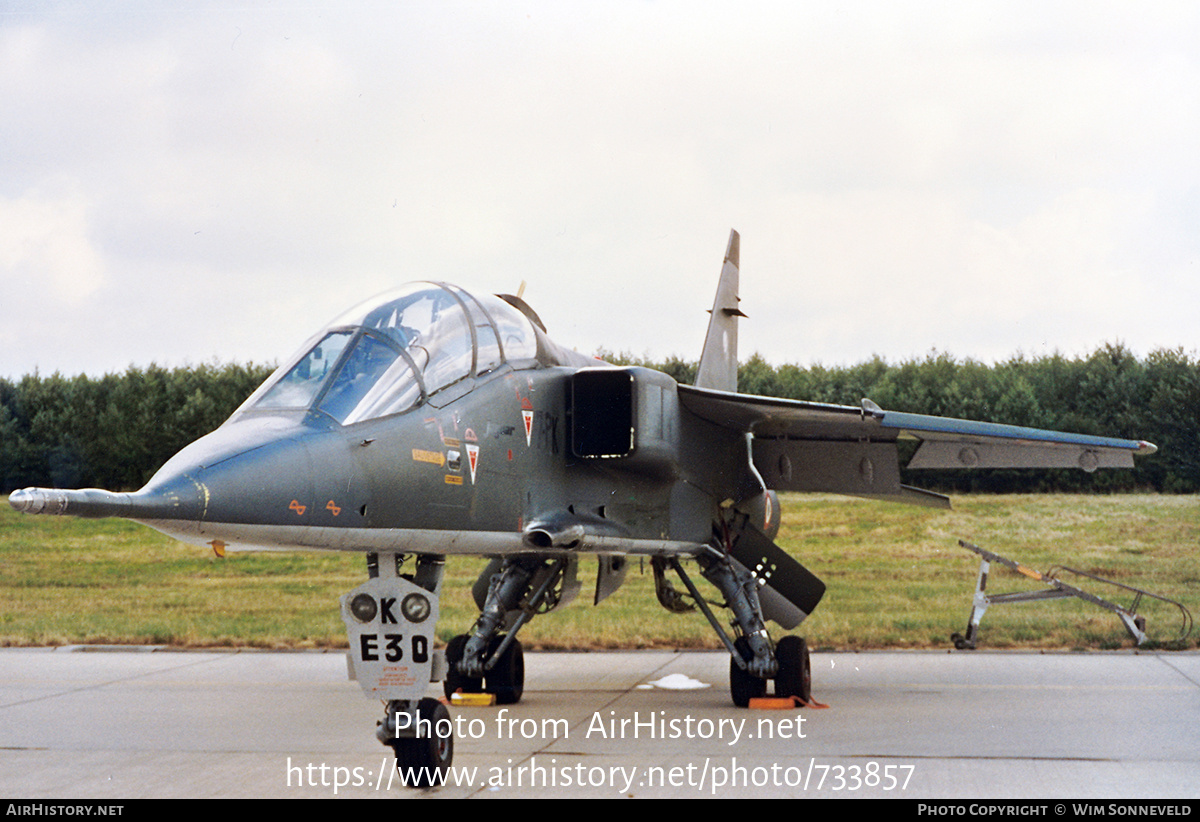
x,y
897,579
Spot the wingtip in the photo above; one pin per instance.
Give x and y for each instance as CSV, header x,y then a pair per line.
x,y
732,251
1145,449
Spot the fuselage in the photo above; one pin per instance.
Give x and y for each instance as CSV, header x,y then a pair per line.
x,y
431,421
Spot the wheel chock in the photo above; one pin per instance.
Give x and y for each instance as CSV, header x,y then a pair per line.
x,y
474,700
773,703
782,703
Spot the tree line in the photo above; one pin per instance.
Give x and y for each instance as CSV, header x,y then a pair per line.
x,y
115,431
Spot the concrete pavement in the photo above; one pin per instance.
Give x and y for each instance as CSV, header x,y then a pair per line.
x,y
129,723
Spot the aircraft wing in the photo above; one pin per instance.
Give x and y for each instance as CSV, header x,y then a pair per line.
x,y
806,446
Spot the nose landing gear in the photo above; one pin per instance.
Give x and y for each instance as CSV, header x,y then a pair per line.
x,y
390,621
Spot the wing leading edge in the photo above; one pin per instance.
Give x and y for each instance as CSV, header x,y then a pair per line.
x,y
951,443
805,446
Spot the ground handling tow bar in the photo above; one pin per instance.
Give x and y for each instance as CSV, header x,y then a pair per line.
x,y
1134,623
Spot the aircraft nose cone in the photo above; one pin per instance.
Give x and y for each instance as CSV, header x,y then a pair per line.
x,y
177,499
89,502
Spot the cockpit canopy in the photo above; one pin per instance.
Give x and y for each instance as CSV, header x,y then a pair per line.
x,y
397,350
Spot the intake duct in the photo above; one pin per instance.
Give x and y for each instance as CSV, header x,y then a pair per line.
x,y
627,417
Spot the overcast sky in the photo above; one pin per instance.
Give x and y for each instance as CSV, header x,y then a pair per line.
x,y
219,182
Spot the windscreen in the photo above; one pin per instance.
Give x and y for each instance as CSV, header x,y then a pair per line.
x,y
390,353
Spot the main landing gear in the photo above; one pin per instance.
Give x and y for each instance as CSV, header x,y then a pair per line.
x,y
793,673
490,659
754,659
504,670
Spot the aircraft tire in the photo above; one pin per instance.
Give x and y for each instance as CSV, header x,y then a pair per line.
x,y
454,680
961,643
794,677
422,763
744,686
506,679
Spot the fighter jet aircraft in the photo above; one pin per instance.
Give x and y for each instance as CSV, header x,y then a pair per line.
x,y
429,422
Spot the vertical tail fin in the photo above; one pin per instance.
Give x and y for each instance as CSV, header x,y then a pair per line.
x,y
718,361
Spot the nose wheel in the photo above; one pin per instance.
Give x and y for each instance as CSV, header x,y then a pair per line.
x,y
424,761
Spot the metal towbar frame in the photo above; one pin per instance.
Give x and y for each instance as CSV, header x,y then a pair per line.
x,y
1133,622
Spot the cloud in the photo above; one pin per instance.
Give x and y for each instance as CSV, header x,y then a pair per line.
x,y
45,247
904,176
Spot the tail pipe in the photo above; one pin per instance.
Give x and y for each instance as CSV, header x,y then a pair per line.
x,y
545,535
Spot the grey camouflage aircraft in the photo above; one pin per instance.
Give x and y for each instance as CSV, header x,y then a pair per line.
x,y
429,422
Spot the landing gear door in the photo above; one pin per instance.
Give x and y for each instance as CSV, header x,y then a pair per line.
x,y
787,590
390,622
